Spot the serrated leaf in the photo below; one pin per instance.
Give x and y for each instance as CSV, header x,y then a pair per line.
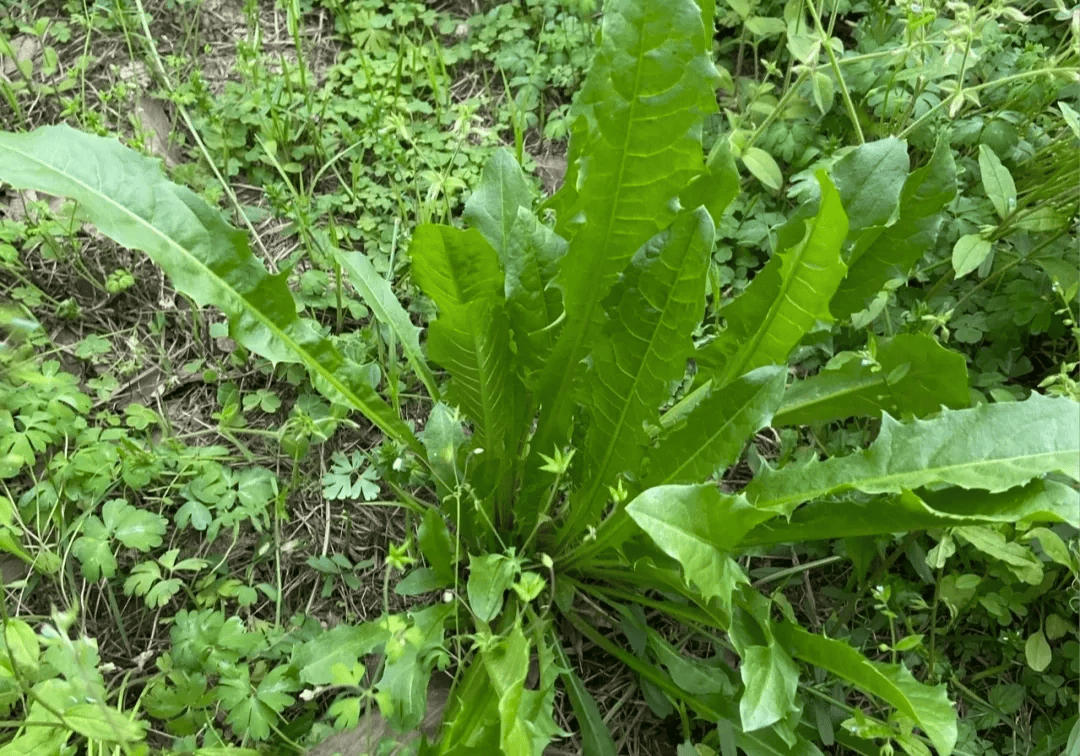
x,y
992,447
997,181
131,202
377,294
713,435
897,248
763,167
927,706
637,118
94,550
786,298
342,645
533,301
1040,500
472,342
697,526
1020,560
935,376
493,207
968,253
644,348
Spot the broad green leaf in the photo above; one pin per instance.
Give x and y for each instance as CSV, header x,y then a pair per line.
x,y
379,297
533,301
786,298
130,201
926,192
929,376
763,167
135,528
472,341
1037,651
525,722
968,253
490,576
402,688
997,181
992,447
771,679
21,646
638,119
455,267
443,436
340,646
697,526
493,207
645,345
1040,500
713,435
870,179
1020,560
695,676
927,706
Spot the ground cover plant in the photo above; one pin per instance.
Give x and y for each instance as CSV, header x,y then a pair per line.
x,y
563,439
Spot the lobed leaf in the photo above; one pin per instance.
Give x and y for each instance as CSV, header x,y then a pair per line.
x,y
645,345
638,119
897,248
993,447
713,435
1039,500
697,526
914,374
493,207
786,298
129,199
927,706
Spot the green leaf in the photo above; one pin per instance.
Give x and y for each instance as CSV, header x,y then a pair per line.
x,y
927,706
969,252
490,576
786,298
135,528
896,249
992,447
340,646
638,120
94,550
455,267
1020,560
131,202
771,680
21,646
713,435
493,207
595,737
769,743
997,181
935,376
472,341
436,545
697,526
763,167
870,179
644,349
442,437
533,300
717,187
103,723
1040,500
1037,651
377,294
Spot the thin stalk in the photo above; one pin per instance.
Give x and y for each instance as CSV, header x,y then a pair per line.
x,y
844,93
